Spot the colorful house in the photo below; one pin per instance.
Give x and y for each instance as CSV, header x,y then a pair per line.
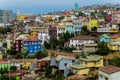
x,y
92,61
1,55
32,44
4,64
69,27
77,26
60,30
89,48
16,62
63,63
79,41
52,31
26,63
93,23
18,45
80,69
115,42
87,63
109,73
105,38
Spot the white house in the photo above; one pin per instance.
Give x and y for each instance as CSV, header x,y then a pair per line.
x,y
78,41
109,73
16,62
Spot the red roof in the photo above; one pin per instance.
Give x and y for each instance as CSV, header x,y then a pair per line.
x,y
66,13
116,12
82,37
18,72
114,36
77,76
32,38
67,42
110,69
52,28
3,62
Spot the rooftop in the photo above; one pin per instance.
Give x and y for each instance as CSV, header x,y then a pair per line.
x,y
59,57
92,58
78,66
32,38
109,69
82,37
3,62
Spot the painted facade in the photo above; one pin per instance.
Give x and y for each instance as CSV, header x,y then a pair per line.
x,y
109,73
77,27
69,27
4,64
60,29
105,38
32,44
79,41
92,61
80,69
115,43
93,23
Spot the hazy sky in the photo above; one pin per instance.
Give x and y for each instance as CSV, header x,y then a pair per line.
x,y
44,6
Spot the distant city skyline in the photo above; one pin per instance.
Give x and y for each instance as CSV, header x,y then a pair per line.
x,y
45,6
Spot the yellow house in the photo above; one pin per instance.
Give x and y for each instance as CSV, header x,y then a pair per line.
x,y
86,23
114,30
35,30
92,61
26,63
114,43
21,17
93,23
86,63
1,56
80,69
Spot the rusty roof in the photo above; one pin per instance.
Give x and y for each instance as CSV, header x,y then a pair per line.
x,y
109,69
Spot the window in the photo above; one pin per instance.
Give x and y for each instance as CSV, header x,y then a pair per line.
x,y
81,62
65,64
30,50
101,76
106,78
98,62
86,62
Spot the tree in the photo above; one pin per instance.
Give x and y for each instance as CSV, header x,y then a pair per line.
x,y
59,75
94,28
115,61
12,51
64,38
48,71
13,68
102,49
24,52
84,30
47,45
41,54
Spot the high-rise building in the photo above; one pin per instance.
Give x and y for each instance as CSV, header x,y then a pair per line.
x,y
5,16
76,7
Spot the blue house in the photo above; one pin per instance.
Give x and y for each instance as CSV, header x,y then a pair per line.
x,y
77,27
105,38
32,44
63,63
69,27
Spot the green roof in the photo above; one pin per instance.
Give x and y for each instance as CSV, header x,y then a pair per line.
x,y
91,58
59,57
78,66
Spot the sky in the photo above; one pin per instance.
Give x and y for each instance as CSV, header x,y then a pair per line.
x,y
45,6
